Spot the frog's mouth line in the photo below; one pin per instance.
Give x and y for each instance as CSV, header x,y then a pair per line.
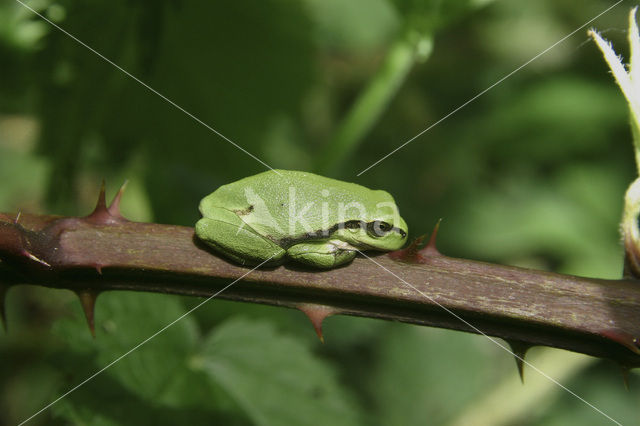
x,y
327,235
402,233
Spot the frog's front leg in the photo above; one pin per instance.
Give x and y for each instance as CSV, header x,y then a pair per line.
x,y
229,235
321,254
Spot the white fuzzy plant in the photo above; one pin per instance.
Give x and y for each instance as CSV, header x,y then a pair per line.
x,y
628,78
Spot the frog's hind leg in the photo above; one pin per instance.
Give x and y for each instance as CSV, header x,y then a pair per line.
x,y
320,254
233,238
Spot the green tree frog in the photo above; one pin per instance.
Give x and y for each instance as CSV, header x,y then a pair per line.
x,y
282,215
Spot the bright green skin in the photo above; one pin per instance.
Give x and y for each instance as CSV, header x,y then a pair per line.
x,y
250,220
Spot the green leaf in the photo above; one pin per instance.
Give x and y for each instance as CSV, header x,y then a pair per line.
x,y
570,220
274,378
154,384
257,373
353,26
425,375
129,319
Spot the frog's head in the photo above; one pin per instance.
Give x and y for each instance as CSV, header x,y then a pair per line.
x,y
382,229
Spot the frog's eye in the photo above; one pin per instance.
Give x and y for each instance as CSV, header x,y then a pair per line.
x,y
378,228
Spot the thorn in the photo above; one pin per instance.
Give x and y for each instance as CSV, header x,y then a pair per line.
x,y
114,207
102,215
625,339
101,205
519,350
625,376
34,258
17,219
430,249
98,267
317,314
3,311
88,302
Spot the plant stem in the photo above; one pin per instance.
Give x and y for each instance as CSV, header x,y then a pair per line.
x,y
591,316
409,48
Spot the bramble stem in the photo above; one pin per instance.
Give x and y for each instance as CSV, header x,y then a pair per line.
x,y
402,55
591,316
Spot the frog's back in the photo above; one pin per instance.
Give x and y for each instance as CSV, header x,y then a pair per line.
x,y
264,201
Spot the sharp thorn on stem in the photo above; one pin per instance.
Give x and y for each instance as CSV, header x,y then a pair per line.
x,y
519,350
35,258
114,207
317,314
625,376
102,200
430,249
100,214
88,302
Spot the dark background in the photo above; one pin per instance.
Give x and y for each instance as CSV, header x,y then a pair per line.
x,y
532,173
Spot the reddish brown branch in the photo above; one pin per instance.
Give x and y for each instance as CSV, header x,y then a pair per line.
x,y
527,307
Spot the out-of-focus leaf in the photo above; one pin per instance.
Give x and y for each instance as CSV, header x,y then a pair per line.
x,y
518,31
23,177
124,321
274,378
563,220
428,16
603,386
410,390
154,384
18,29
23,173
354,25
553,121
250,368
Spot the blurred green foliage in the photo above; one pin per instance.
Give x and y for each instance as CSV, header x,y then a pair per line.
x,y
532,173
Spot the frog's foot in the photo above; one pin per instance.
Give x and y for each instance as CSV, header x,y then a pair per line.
x,y
231,237
320,254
